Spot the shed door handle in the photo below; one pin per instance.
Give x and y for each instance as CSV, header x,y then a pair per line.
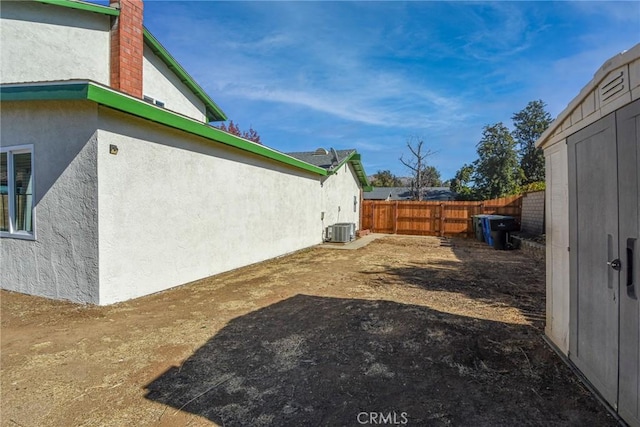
x,y
631,292
616,264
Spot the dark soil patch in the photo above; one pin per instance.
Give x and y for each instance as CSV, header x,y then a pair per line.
x,y
411,331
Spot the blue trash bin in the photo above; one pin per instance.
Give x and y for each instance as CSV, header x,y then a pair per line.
x,y
486,229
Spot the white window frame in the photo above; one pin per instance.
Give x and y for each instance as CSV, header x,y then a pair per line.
x,y
13,233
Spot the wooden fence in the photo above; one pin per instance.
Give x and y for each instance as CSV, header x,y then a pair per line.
x,y
432,218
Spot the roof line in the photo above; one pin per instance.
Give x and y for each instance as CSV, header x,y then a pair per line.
x,y
90,7
213,111
110,98
612,63
355,160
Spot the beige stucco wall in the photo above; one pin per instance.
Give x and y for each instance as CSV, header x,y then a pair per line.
x,y
161,83
62,262
40,42
175,208
337,197
557,254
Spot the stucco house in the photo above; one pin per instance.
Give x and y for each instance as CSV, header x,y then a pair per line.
x,y
592,160
114,184
343,186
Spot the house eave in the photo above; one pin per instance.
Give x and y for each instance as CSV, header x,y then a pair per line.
x,y
80,5
91,91
213,111
355,160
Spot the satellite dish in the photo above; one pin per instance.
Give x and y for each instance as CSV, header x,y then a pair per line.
x,y
321,152
335,157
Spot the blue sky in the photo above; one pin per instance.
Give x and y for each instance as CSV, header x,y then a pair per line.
x,y
371,75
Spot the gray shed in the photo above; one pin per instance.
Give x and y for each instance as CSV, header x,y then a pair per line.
x,y
592,154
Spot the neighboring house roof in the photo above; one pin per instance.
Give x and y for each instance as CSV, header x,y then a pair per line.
x,y
405,193
331,160
323,158
103,95
213,112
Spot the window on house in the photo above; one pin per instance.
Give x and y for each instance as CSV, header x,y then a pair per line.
x,y
16,191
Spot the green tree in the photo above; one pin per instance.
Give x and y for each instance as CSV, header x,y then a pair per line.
x,y
385,179
496,171
461,183
431,177
417,164
529,124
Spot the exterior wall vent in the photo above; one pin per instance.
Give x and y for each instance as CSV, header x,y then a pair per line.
x,y
612,87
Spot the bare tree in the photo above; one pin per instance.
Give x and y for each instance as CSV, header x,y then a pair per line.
x,y
418,165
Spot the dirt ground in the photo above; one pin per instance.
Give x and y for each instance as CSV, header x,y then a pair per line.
x,y
407,331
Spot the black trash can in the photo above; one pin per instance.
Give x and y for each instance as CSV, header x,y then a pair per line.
x,y
503,223
499,238
500,226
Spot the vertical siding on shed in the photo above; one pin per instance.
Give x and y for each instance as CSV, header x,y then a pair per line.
x,y
557,237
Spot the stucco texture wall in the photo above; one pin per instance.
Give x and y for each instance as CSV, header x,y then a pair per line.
x,y
161,83
176,208
557,238
73,44
339,191
62,262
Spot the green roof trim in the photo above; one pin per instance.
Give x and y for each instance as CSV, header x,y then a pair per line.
x,y
355,160
136,107
213,112
89,7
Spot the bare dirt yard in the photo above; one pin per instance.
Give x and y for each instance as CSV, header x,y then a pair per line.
x,y
407,330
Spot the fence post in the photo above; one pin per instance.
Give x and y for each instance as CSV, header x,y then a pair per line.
x,y
373,216
442,220
395,219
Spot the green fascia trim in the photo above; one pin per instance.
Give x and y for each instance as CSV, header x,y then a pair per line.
x,y
105,10
214,113
44,92
144,110
355,160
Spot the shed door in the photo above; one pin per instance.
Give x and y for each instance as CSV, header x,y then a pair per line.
x,y
593,239
604,218
628,134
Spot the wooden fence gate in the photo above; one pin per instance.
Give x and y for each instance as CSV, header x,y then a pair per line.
x,y
432,218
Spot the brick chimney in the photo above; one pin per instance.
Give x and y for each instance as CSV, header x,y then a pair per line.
x,y
127,48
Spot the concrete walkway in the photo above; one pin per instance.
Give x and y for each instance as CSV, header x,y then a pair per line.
x,y
356,244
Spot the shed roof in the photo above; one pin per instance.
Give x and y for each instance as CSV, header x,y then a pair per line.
x,y
615,84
